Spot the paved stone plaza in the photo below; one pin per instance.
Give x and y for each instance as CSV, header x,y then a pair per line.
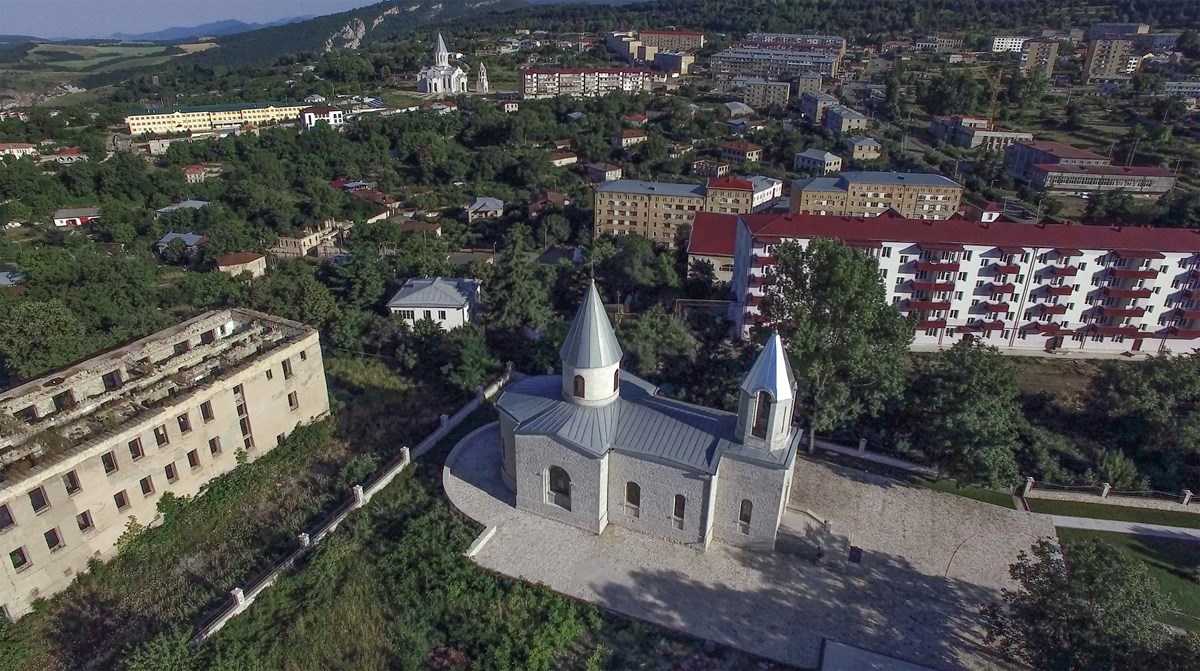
x,y
898,601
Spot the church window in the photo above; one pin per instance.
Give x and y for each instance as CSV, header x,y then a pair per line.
x,y
633,499
747,509
762,414
579,386
559,488
616,380
680,508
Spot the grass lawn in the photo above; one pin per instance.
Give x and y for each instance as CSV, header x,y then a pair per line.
x,y
1101,511
991,496
1170,563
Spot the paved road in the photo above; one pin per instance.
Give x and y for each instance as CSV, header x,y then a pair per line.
x,y
1136,528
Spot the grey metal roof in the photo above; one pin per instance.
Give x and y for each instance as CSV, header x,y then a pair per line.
x,y
435,292
817,154
188,239
762,183
638,422
71,212
486,204
185,205
876,177
820,95
591,342
818,184
844,112
771,372
651,188
864,141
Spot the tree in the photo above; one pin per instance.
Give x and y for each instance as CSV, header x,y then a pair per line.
x,y
38,336
517,297
168,651
964,413
1089,606
360,282
473,366
848,347
653,337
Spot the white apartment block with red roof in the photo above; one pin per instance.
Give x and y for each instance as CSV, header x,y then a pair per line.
x,y
1083,289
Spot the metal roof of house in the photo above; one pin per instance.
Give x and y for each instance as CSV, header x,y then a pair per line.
x,y
818,154
486,204
185,205
651,188
72,212
844,179
188,239
435,292
864,141
591,342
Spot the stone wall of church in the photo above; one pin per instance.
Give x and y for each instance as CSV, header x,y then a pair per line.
x,y
659,484
534,457
508,467
764,487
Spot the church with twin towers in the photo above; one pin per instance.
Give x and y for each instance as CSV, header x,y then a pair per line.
x,y
442,77
597,445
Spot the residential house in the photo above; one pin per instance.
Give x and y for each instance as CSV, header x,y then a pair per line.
x,y
736,109
741,150
545,200
560,159
195,174
628,138
192,242
603,172
635,119
329,115
974,133
818,161
76,216
449,302
863,148
18,149
842,120
758,92
712,240
322,241
485,207
707,167
237,263
813,105
66,156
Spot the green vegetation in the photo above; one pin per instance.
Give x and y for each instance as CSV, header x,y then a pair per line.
x,y
991,496
1089,606
1171,563
1120,513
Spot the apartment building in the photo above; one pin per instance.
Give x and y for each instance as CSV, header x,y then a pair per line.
x,y
211,117
870,194
937,43
759,93
842,120
974,133
741,151
1110,58
707,167
89,448
809,81
1005,43
813,105
1183,89
583,82
672,40
808,41
1101,29
1061,169
1019,287
656,210
771,63
674,61
818,161
1039,56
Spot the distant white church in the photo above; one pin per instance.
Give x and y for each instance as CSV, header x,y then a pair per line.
x,y
597,445
441,77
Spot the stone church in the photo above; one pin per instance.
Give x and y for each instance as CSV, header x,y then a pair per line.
x,y
441,77
597,445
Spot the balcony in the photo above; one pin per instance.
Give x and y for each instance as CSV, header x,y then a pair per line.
x,y
1067,252
1002,289
927,306
1186,314
761,280
1115,292
937,266
981,325
762,261
1053,309
995,307
1064,271
931,324
1049,329
1135,254
1006,268
1126,274
933,286
1107,311
1061,290
1123,331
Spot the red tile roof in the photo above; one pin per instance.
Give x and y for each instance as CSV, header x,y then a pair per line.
x,y
1131,170
741,146
713,234
1061,150
237,258
898,229
731,182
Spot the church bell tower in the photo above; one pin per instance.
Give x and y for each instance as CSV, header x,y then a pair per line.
x,y
767,397
590,355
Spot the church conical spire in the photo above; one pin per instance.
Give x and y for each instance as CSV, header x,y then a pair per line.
x,y
441,55
591,341
771,372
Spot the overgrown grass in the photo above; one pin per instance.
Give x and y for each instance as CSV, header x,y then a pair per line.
x,y
1002,499
1172,563
1100,511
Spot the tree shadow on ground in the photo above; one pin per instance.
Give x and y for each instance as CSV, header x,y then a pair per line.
x,y
881,604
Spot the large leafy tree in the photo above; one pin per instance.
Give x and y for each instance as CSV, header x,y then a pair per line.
x,y
848,346
964,413
655,337
38,336
1086,607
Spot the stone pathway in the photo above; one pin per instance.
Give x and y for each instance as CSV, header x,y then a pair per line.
x,y
780,605
1115,526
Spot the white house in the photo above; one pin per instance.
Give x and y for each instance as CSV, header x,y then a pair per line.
x,y
18,149
76,216
332,116
448,301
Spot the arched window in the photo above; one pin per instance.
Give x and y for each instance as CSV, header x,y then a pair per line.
x,y
744,515
616,380
762,414
558,490
579,386
678,511
633,499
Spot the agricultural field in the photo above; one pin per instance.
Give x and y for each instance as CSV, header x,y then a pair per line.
x,y
45,65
